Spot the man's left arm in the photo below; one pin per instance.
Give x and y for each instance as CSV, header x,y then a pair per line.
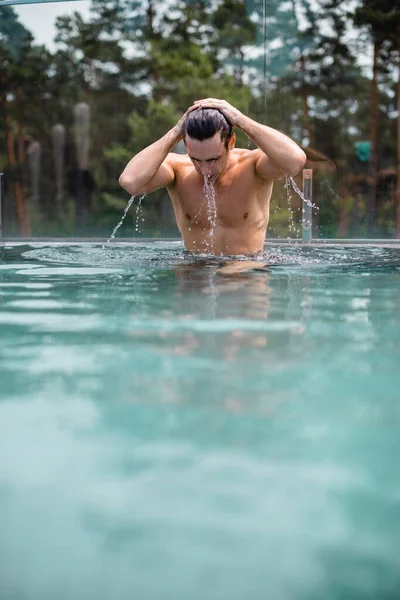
x,y
277,154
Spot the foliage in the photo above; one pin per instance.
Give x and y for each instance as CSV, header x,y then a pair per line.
x,y
140,63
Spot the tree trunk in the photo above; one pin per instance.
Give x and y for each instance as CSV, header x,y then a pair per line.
x,y
21,153
150,20
373,137
398,135
238,72
20,201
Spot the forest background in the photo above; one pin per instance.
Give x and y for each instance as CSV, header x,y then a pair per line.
x,y
128,72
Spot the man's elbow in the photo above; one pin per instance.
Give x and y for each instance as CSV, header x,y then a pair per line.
x,y
298,161
126,182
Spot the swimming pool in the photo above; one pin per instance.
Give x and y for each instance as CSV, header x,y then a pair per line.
x,y
169,432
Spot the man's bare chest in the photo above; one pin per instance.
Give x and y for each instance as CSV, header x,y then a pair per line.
x,y
233,202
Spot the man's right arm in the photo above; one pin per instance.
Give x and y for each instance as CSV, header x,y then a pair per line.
x,y
151,168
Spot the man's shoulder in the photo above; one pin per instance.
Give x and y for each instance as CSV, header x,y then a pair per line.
x,y
178,155
176,158
179,162
246,157
245,153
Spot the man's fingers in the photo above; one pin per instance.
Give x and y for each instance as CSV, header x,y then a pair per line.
x,y
209,101
215,105
189,110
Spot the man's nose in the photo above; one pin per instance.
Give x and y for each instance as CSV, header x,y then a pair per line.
x,y
204,168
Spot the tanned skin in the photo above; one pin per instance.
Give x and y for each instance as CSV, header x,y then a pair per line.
x,y
242,180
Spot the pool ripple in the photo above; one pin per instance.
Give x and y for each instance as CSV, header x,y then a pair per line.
x,y
166,432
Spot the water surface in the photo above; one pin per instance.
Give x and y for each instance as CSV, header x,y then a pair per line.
x,y
169,432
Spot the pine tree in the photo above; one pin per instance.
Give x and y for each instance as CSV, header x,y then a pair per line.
x,y
382,19
22,67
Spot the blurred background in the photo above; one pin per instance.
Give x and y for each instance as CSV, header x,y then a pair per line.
x,y
86,84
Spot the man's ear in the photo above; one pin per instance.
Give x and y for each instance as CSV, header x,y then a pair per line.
x,y
232,141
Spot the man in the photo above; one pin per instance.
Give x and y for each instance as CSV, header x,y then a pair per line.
x,y
220,193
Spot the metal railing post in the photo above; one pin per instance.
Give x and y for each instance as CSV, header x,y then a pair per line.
x,y
307,205
1,203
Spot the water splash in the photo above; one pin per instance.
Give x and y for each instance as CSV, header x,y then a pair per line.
x,y
131,201
293,231
282,258
139,213
209,192
300,193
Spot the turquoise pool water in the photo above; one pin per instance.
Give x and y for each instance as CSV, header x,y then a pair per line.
x,y
169,432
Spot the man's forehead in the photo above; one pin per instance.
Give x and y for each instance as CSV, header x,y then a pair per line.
x,y
205,146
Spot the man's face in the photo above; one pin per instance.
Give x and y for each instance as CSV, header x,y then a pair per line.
x,y
209,156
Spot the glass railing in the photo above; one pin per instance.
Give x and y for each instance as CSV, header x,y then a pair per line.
x,y
85,84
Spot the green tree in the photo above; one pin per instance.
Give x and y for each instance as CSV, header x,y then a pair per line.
x,y
382,19
23,69
236,32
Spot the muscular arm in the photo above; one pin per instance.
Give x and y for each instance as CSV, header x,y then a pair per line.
x,y
151,168
278,155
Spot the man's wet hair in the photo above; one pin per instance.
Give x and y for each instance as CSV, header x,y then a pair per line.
x,y
204,123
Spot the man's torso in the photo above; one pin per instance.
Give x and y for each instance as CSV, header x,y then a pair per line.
x,y
239,223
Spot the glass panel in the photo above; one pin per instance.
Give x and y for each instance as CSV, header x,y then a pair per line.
x,y
87,84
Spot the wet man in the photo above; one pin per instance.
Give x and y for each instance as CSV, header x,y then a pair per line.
x,y
220,193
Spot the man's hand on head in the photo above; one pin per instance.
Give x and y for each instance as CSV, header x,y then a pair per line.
x,y
233,115
180,123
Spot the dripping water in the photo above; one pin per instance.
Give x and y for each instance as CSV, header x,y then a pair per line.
x,y
293,231
131,201
209,193
300,193
139,213
290,185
